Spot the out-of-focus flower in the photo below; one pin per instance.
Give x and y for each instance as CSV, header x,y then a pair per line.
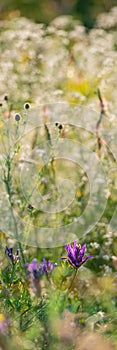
x,y
36,271
48,267
76,255
3,324
13,257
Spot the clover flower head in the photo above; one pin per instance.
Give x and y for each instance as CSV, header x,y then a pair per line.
x,y
76,255
13,257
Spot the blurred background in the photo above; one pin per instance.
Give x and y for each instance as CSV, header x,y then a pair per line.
x,y
45,10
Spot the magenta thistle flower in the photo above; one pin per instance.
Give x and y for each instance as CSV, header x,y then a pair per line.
x,y
76,255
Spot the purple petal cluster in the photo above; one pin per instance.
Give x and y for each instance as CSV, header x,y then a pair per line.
x,y
48,267
76,255
13,257
37,270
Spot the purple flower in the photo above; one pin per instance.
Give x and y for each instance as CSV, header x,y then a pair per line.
x,y
48,267
76,255
13,257
35,270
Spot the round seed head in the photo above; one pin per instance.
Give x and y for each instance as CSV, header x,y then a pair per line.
x,y
17,117
56,124
60,127
27,105
6,98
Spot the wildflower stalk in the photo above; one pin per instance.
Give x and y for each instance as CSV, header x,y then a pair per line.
x,y
66,294
46,341
8,182
74,276
48,135
13,272
51,145
102,112
52,161
99,139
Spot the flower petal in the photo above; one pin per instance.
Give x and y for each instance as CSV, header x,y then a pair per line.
x,y
70,250
76,250
85,259
82,250
35,264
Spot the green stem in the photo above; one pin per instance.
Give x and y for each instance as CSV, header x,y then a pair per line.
x,y
75,272
8,183
17,234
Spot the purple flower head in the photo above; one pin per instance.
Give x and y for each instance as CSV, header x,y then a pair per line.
x,y
76,255
48,267
13,257
35,270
